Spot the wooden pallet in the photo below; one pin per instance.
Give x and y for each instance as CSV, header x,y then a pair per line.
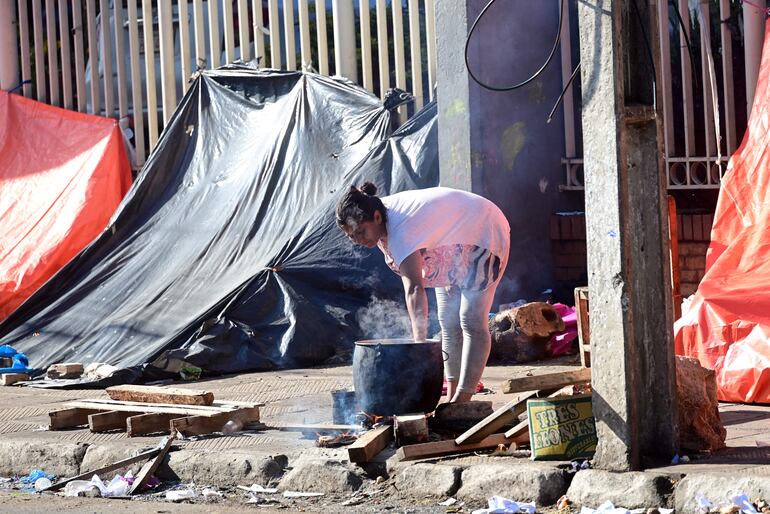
x,y
139,418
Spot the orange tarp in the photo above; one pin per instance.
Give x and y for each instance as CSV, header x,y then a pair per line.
x,y
62,174
727,326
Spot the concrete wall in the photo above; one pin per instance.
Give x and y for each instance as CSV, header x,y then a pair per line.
x,y
498,144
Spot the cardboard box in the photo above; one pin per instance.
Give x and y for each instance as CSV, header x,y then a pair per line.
x,y
561,428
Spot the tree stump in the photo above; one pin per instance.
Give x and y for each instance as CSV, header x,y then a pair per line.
x,y
523,334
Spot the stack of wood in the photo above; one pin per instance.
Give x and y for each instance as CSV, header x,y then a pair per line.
x,y
499,427
143,410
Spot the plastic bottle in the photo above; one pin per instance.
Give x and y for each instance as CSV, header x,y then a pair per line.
x,y
42,483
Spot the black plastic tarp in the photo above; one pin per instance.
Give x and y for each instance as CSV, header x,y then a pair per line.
x,y
225,253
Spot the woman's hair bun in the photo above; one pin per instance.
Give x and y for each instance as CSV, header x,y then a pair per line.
x,y
368,188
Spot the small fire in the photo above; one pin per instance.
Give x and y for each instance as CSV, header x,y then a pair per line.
x,y
367,420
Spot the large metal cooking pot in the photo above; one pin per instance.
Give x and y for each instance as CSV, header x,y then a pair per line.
x,y
397,376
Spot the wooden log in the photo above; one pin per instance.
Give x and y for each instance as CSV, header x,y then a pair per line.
x,y
65,370
156,394
198,425
143,424
68,418
370,444
410,429
152,465
505,415
321,428
448,413
547,381
7,379
110,420
179,410
106,469
449,447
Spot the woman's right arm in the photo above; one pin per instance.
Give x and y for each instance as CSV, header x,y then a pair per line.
x,y
415,296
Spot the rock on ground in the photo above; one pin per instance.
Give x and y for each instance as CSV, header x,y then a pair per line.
x,y
718,487
322,476
217,468
428,480
522,482
60,459
631,490
700,427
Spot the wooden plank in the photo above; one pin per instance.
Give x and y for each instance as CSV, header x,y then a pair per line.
x,y
53,60
319,428
584,332
65,370
66,60
106,58
217,406
259,32
366,44
505,415
159,394
68,418
200,35
110,420
167,65
288,33
322,37
198,425
214,40
415,52
137,104
149,72
243,30
106,469
382,46
143,424
430,43
519,430
146,408
80,56
26,65
410,429
120,65
304,35
7,379
397,11
184,45
151,466
37,23
273,22
370,444
449,447
227,21
547,381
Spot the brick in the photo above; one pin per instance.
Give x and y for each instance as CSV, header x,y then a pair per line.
x,y
575,247
708,222
554,227
561,274
695,263
565,225
697,227
689,275
679,224
685,234
578,226
687,289
693,248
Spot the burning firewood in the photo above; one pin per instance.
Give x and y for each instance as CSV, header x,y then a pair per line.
x,y
334,441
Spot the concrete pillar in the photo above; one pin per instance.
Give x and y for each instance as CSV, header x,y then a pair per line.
x,y
9,49
453,96
344,39
753,41
634,398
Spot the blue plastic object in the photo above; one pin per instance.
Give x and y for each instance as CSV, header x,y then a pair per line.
x,y
20,362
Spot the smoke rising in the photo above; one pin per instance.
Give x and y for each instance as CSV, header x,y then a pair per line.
x,y
384,319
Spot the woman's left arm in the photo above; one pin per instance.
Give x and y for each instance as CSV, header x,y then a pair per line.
x,y
414,293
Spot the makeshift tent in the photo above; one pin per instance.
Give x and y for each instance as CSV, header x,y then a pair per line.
x,y
727,326
226,254
62,174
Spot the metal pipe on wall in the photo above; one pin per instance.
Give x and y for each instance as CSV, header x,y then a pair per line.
x,y
9,47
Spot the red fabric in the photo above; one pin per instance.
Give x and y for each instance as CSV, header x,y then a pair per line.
x,y
727,327
561,343
62,174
